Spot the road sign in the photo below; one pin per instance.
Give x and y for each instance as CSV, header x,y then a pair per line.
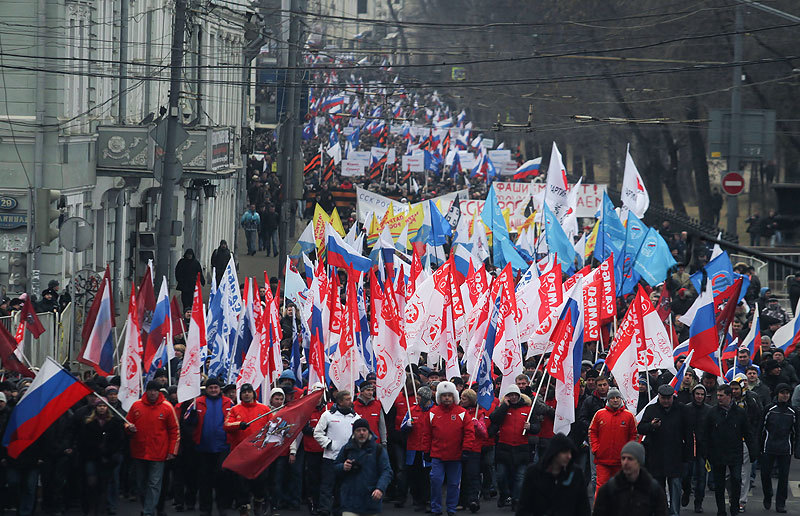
x,y
75,234
733,183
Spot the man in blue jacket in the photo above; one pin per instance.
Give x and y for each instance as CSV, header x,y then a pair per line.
x,y
364,472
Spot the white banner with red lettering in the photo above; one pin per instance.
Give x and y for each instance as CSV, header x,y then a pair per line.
x,y
516,196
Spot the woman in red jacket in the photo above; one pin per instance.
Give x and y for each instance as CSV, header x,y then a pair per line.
x,y
451,432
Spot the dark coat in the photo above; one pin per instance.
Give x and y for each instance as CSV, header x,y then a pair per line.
x,y
644,497
668,445
98,442
546,495
696,416
589,407
723,434
780,430
372,472
762,393
219,260
505,453
186,273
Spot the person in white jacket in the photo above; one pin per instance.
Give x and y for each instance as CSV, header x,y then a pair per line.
x,y
334,429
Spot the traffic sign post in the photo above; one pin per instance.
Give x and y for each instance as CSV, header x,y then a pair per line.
x,y
733,183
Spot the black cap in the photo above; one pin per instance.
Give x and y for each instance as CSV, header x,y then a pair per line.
x,y
666,390
247,387
212,381
161,373
783,387
360,423
229,387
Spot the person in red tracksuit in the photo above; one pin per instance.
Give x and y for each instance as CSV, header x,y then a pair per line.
x,y
451,432
396,439
611,428
416,468
511,423
155,439
313,459
238,426
370,409
471,457
488,448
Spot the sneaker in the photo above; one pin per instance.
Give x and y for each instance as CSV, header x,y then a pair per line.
x,y
780,509
685,497
767,501
698,509
741,507
244,510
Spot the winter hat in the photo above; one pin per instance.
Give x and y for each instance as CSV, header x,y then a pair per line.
x,y
634,449
247,387
698,386
212,381
511,389
613,393
782,387
276,390
3,397
666,390
287,374
424,394
444,388
360,423
152,386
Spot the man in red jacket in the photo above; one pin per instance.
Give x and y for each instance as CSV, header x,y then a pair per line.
x,y
451,432
238,425
154,440
612,427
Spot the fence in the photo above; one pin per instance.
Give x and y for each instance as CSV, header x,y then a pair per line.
x,y
53,342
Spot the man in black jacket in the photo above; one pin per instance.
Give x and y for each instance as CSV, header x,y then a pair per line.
x,y
697,412
632,491
779,440
668,442
725,429
754,411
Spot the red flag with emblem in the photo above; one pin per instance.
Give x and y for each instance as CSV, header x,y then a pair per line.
x,y
276,433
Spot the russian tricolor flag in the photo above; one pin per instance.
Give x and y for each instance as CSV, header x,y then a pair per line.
x,y
703,337
528,169
99,349
787,337
753,340
340,254
50,395
332,104
160,329
678,379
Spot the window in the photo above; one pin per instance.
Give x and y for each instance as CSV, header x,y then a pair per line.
x,y
362,7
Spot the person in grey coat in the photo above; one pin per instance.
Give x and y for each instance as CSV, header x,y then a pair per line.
x,y
364,472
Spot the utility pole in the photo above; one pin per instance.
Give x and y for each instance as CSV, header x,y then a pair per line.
x,y
287,134
123,60
735,148
35,256
171,166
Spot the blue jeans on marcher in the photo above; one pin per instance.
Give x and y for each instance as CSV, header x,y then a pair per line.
x,y
674,491
509,479
442,471
23,481
149,475
272,242
252,240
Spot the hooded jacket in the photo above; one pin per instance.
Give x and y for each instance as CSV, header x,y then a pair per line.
x,y
371,471
609,431
547,495
334,429
780,430
157,434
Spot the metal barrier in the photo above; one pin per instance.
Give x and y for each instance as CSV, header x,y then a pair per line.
x,y
777,273
50,343
759,265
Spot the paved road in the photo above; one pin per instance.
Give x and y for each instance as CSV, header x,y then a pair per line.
x,y
754,504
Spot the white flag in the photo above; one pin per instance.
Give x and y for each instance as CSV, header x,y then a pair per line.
x,y
634,194
189,381
130,388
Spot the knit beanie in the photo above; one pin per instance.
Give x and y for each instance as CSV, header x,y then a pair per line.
x,y
634,449
360,423
613,393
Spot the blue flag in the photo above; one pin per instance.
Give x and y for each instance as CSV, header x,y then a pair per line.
x,y
492,216
654,259
610,234
557,240
505,252
440,228
634,238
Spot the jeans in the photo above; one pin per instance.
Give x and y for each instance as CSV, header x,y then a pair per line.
x,y
782,462
734,487
184,485
327,487
23,481
295,480
488,470
509,479
397,459
272,241
674,491
442,471
149,475
695,473
418,480
312,462
113,483
211,480
252,240
471,477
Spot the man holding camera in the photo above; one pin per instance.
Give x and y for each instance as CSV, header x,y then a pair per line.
x,y
364,472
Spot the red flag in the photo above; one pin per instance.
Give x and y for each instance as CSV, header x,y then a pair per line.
x,y
278,430
146,302
10,361
664,302
29,316
177,317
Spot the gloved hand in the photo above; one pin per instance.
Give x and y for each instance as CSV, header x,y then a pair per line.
x,y
243,425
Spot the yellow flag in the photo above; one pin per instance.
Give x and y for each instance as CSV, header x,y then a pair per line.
x,y
321,220
507,218
336,222
373,233
414,219
591,241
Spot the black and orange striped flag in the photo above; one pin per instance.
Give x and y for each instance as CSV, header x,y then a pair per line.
x,y
312,165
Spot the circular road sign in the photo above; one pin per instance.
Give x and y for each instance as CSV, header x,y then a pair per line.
x,y
733,183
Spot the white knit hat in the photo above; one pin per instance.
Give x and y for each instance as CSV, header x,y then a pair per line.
x,y
444,388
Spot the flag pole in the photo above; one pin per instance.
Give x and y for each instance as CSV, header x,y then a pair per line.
x,y
264,415
113,409
413,383
535,396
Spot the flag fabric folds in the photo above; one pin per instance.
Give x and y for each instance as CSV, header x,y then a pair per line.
x,y
190,378
130,388
98,350
51,394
